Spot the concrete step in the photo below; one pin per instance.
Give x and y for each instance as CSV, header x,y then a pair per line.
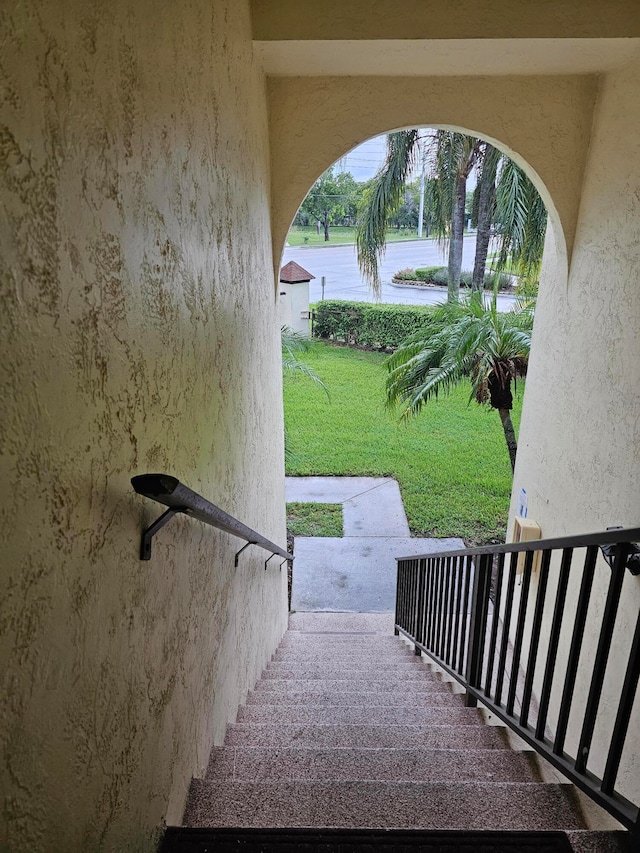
x,y
366,623
358,715
391,765
414,687
410,805
367,658
392,736
410,670
353,699
594,841
341,641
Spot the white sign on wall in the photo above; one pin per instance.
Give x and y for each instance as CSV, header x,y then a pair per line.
x,y
523,505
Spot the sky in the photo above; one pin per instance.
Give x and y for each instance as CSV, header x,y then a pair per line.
x,y
364,160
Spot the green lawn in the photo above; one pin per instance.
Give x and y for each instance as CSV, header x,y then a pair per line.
x,y
451,461
311,519
308,236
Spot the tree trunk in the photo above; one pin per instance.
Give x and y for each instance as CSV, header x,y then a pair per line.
x,y
325,222
510,435
486,201
455,243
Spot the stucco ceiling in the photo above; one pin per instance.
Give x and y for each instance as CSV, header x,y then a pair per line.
x,y
453,57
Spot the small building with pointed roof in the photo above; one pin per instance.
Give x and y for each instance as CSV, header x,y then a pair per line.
x,y
294,297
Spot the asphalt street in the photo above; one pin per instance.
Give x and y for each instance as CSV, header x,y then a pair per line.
x,y
339,265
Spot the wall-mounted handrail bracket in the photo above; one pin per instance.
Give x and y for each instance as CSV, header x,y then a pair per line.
x,y
244,547
267,560
282,563
150,532
172,493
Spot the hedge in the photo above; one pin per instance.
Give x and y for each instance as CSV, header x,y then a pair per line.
x,y
440,276
368,324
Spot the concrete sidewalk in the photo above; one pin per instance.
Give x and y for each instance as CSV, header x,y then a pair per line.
x,y
356,573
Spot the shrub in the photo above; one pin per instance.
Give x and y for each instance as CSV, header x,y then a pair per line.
x,y
368,324
426,273
406,275
440,276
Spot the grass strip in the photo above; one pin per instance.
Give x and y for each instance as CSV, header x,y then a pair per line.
x,y
314,519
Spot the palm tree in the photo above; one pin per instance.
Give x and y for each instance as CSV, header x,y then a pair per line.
x,y
465,340
514,204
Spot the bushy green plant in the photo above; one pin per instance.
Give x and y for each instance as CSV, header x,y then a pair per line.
x,y
426,273
407,274
369,324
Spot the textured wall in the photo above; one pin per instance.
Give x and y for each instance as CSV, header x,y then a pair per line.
x,y
442,19
139,333
544,123
579,447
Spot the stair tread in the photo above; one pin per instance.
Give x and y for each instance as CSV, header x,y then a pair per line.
x,y
352,699
414,764
412,668
431,805
358,715
353,685
372,736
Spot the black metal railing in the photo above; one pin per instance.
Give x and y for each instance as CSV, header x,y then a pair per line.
x,y
537,633
172,493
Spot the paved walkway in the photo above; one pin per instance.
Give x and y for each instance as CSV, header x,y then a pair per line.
x,y
356,573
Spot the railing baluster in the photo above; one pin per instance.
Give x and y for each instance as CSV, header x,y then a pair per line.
x,y
420,610
554,639
602,657
494,625
458,610
535,638
399,598
450,612
627,697
517,644
506,624
480,604
574,651
438,604
445,610
465,612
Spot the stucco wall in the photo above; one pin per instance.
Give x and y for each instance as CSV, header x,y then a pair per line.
x,y
139,333
441,19
579,444
544,123
579,451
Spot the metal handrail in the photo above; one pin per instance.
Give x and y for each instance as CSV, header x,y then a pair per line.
x,y
170,492
462,608
613,536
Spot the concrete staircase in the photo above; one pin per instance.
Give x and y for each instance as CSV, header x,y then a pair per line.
x,y
348,729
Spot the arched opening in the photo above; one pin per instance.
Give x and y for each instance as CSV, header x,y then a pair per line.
x,y
340,469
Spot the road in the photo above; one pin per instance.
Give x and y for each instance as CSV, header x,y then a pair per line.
x,y
339,265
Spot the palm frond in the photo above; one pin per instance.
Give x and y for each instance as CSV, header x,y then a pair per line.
x,y
294,343
381,200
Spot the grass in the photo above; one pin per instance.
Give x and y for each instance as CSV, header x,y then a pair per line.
x,y
451,461
340,235
310,519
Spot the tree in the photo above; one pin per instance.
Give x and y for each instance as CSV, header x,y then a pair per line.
x,y
514,204
484,203
331,198
465,340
